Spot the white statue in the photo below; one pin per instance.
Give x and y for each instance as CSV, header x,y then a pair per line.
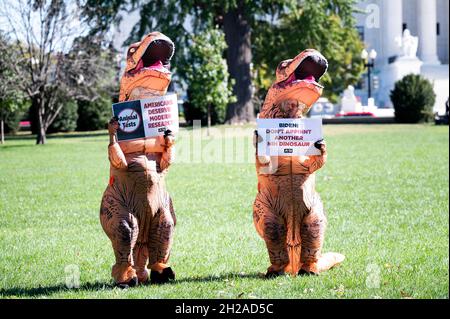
x,y
349,93
349,101
408,44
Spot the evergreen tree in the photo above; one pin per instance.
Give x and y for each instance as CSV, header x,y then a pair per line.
x,y
207,78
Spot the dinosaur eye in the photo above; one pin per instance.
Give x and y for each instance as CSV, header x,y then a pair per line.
x,y
132,50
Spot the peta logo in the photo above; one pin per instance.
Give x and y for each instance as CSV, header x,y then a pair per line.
x,y
129,120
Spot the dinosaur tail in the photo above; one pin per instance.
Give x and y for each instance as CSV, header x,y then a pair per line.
x,y
294,253
325,262
329,260
294,243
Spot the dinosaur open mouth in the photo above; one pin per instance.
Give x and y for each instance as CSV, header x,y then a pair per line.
x,y
156,57
158,54
311,69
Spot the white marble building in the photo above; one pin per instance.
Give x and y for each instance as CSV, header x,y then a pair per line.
x,y
381,25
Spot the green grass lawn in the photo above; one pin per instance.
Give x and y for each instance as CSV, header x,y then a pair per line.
x,y
385,189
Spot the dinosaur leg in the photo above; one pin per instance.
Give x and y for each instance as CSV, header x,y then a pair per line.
x,y
313,233
160,244
122,229
272,229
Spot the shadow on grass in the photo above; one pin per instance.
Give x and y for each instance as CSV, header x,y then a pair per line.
x,y
222,277
19,137
45,291
6,146
56,136
76,134
97,286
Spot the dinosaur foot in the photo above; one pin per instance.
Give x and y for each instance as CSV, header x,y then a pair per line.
x,y
309,269
133,282
303,272
165,276
274,271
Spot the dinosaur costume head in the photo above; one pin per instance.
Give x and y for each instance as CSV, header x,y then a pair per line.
x,y
147,71
296,87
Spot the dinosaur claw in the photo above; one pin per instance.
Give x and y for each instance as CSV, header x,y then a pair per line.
x,y
318,144
168,133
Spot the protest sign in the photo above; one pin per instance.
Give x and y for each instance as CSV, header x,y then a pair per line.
x,y
147,117
288,137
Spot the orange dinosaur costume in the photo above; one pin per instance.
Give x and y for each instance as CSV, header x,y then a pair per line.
x,y
288,213
136,210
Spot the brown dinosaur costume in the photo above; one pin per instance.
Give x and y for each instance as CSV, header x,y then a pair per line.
x,y
288,213
136,211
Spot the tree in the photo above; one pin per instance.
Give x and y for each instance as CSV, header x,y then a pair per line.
x,y
7,108
413,98
210,89
54,55
67,118
326,25
93,115
11,101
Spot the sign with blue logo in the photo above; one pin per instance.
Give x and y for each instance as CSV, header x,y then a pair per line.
x,y
147,117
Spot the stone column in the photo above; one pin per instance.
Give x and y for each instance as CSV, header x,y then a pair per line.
x,y
426,27
392,19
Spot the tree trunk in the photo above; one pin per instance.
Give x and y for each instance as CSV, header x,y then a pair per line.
x,y
41,129
2,132
209,119
239,56
41,136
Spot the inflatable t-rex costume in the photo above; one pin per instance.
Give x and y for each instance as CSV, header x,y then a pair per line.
x,y
288,213
136,211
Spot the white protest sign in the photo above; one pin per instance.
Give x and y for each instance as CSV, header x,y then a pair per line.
x,y
288,137
159,114
147,117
